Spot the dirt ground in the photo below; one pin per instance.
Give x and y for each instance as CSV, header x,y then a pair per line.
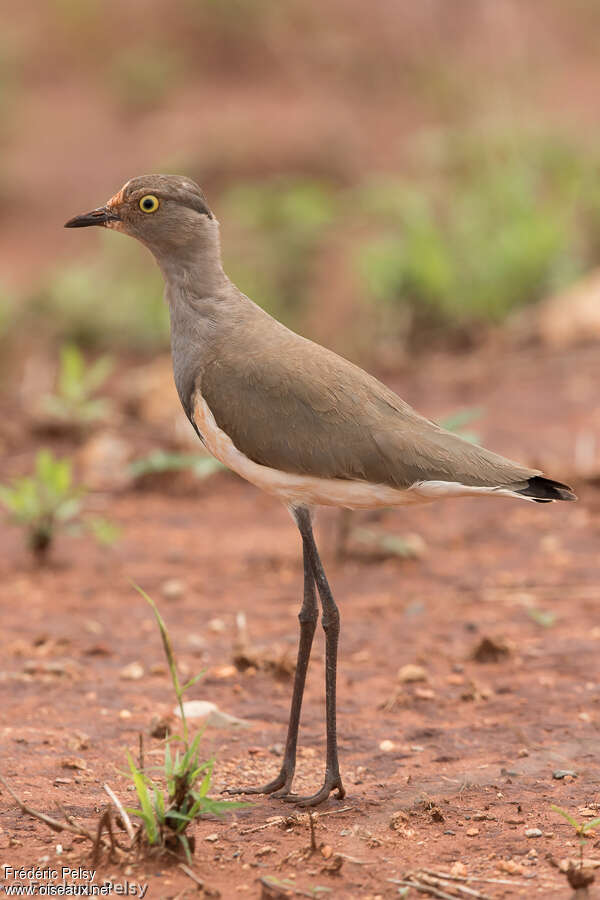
x,y
453,769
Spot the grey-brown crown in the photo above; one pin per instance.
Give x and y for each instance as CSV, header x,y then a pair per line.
x,y
179,188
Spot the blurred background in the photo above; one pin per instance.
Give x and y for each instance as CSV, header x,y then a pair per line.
x,y
415,185
392,179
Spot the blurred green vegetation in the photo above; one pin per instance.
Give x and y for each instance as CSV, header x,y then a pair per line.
x,y
75,402
48,501
277,226
142,76
78,18
113,300
159,462
11,87
481,226
497,224
7,312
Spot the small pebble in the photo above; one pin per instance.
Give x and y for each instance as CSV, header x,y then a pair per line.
x,y
457,868
172,589
533,832
386,746
225,672
124,714
73,762
158,668
424,693
132,672
411,673
212,837
197,642
510,867
562,773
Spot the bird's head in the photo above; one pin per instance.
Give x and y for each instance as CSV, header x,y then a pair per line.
x,y
167,213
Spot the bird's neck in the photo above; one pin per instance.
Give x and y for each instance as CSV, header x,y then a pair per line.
x,y
194,270
199,296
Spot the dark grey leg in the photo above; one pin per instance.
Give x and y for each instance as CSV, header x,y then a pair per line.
x,y
331,627
281,785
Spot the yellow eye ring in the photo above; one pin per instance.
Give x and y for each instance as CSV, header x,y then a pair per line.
x,y
149,203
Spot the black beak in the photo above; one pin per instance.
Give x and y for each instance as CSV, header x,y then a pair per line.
x,y
99,216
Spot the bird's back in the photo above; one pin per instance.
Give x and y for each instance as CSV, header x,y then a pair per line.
x,y
292,405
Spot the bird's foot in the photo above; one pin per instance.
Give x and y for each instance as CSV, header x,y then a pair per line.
x,y
279,787
332,783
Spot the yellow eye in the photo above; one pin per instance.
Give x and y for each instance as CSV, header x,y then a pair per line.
x,y
149,203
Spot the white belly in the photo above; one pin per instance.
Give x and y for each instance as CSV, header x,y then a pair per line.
x,y
309,490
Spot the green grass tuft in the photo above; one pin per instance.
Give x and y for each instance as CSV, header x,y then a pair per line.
x,y
166,815
48,501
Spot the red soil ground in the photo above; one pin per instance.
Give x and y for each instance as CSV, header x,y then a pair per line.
x,y
471,751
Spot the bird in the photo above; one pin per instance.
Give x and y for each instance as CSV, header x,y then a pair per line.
x,y
295,419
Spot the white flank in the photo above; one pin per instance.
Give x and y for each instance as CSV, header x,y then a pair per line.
x,y
314,491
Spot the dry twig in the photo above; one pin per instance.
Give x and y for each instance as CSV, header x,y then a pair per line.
x,y
311,825
438,883
191,874
475,878
423,888
121,810
54,824
71,825
294,820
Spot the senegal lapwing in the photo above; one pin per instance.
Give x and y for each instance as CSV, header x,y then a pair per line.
x,y
293,418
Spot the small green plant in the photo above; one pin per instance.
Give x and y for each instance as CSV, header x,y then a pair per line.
x,y
166,815
74,402
161,461
48,501
113,300
578,877
277,230
498,222
544,617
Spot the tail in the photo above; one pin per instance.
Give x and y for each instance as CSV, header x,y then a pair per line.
x,y
544,490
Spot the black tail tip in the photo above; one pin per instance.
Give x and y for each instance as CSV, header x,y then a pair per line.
x,y
544,490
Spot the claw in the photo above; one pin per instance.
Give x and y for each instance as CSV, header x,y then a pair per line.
x,y
279,787
331,784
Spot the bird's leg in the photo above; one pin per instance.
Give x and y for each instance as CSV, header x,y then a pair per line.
x,y
331,627
308,615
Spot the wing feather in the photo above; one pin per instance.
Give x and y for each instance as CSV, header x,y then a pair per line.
x,y
292,405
